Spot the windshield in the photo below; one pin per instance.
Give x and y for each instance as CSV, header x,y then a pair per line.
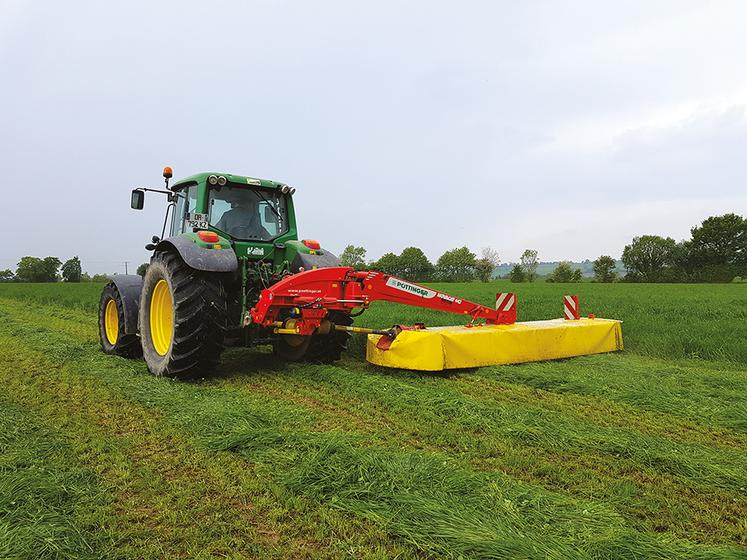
x,y
247,214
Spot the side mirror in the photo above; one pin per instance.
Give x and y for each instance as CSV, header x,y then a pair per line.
x,y
137,200
269,214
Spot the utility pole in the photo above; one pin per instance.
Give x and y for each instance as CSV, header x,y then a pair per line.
x,y
125,263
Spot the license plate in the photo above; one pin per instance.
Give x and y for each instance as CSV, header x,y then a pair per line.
x,y
196,221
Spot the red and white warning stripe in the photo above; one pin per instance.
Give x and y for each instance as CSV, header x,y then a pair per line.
x,y
570,307
505,301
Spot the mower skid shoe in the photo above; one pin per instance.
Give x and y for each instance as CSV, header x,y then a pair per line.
x,y
439,348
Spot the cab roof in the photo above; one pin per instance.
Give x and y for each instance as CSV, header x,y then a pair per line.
x,y
236,179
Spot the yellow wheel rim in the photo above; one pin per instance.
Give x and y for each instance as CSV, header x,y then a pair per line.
x,y
111,322
161,317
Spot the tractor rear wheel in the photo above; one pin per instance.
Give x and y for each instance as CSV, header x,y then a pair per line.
x,y
112,334
183,318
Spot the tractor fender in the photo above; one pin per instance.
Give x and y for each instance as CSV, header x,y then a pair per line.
x,y
129,287
309,261
199,258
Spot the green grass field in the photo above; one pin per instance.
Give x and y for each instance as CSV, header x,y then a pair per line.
x,y
640,454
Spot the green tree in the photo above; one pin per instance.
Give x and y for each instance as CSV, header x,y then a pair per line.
x,y
718,250
100,278
388,263
51,265
683,267
29,269
457,265
6,275
529,264
517,274
353,256
604,269
142,269
648,257
34,269
564,273
71,270
415,266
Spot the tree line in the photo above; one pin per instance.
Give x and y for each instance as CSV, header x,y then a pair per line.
x,y
715,252
455,265
526,270
49,269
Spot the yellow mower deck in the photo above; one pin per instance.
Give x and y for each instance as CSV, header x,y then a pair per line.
x,y
439,348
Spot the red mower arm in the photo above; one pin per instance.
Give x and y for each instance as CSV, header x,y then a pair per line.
x,y
311,294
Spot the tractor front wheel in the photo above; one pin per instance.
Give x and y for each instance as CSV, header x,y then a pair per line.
x,y
183,318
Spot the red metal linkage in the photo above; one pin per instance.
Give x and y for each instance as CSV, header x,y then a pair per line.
x,y
344,289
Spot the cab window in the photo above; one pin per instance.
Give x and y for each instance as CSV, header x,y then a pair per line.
x,y
247,214
186,203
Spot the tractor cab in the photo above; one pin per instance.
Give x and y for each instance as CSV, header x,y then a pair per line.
x,y
253,218
253,214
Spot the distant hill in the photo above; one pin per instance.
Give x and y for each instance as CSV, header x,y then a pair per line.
x,y
546,268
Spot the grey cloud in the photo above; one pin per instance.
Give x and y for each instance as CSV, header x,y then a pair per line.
x,y
430,124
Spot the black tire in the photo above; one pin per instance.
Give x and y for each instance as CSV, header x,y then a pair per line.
x,y
200,318
291,348
119,344
327,348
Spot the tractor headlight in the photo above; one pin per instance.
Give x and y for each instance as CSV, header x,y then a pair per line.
x,y
222,180
213,180
285,189
292,191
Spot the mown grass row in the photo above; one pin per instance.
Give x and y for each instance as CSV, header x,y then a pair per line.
x,y
427,489
681,483
45,494
169,497
710,394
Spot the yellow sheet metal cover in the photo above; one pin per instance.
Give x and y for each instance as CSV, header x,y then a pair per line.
x,y
439,348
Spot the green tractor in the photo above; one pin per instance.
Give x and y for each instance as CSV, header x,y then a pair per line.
x,y
230,237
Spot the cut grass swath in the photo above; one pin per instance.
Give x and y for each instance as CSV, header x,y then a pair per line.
x,y
400,488
451,470
44,494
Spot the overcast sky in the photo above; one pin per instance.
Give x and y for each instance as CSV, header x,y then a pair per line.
x,y
568,127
